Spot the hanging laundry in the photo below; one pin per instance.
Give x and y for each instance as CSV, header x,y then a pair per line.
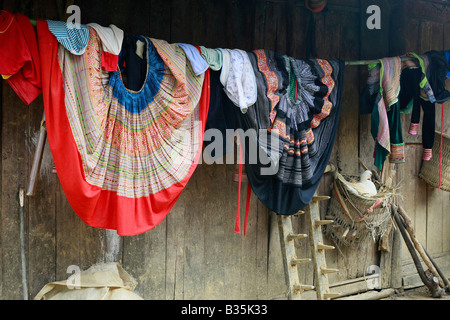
x,y
220,118
380,97
140,48
112,39
437,71
423,63
303,91
238,78
432,68
411,97
132,67
225,66
213,57
198,64
19,56
123,157
74,37
386,123
303,152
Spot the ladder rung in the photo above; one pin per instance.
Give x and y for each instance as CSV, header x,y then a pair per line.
x,y
299,261
326,270
345,232
321,246
320,198
293,236
323,222
303,287
331,295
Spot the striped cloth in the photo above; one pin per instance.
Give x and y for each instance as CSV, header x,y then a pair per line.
x,y
73,37
385,121
389,89
390,79
133,143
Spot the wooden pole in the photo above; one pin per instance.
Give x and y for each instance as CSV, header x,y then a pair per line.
x,y
435,289
368,62
396,277
439,271
37,159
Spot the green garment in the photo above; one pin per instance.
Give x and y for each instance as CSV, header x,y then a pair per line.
x,y
213,57
395,134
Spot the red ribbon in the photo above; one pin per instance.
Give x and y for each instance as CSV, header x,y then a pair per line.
x,y
237,228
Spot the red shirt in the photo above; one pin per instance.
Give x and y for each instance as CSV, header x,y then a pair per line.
x,y
19,57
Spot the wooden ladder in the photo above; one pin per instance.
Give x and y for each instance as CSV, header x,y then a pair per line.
x,y
318,249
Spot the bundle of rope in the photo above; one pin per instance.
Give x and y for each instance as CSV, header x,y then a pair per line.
x,y
357,218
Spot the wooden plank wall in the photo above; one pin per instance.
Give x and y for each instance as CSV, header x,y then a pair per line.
x,y
194,253
427,28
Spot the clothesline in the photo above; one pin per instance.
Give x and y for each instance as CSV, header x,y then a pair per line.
x,y
348,63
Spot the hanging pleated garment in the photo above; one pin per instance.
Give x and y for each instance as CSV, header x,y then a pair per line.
x,y
123,157
285,168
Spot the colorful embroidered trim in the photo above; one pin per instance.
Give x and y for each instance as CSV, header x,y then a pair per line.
x,y
327,79
279,127
413,129
390,82
271,79
309,136
397,154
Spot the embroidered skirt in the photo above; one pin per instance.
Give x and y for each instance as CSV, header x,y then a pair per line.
x,y
123,157
303,115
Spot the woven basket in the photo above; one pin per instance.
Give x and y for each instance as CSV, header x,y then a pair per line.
x,y
430,169
357,219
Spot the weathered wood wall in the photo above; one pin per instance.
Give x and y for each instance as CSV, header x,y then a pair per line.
x,y
427,27
194,253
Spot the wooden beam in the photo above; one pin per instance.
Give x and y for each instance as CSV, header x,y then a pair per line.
x,y
370,295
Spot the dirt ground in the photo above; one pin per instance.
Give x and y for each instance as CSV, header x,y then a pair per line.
x,y
421,293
